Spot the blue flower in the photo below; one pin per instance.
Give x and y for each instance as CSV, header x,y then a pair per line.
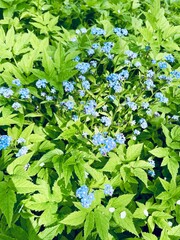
x,y
4,141
175,74
41,83
161,97
131,54
98,139
107,47
93,63
21,140
95,45
120,138
22,151
81,93
124,74
162,65
169,58
6,92
75,118
16,105
121,32
24,93
106,121
97,31
86,84
150,74
153,61
152,162
89,108
108,189
145,105
68,86
137,64
82,191
132,105
83,67
86,199
151,173
69,105
149,84
136,132
77,59
49,98
143,123
90,52
16,82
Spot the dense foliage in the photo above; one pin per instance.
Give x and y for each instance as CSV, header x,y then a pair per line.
x,y
89,120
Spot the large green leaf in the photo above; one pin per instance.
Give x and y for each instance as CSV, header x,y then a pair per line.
x,y
8,199
133,152
102,224
89,224
74,219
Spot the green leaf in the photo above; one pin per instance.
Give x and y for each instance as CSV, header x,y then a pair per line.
x,y
49,155
49,233
102,224
89,224
126,222
74,219
160,152
122,201
175,133
173,167
23,160
167,135
149,236
141,174
8,199
27,131
133,152
175,231
22,185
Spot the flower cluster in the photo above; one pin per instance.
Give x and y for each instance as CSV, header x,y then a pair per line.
x,y
108,189
86,198
4,141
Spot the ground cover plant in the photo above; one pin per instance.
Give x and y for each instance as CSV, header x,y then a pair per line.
x,y
89,120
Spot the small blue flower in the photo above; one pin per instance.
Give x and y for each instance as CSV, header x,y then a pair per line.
x,y
169,58
6,92
90,52
152,162
132,105
145,105
161,97
93,63
41,83
86,84
136,132
137,64
21,140
175,74
75,118
162,65
77,59
16,105
83,67
97,31
151,173
68,86
106,121
82,191
49,98
149,84
69,105
107,47
120,138
98,139
153,61
108,189
150,74
175,117
16,82
53,90
120,32
22,151
86,199
131,54
95,45
24,93
4,141
81,93
143,123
